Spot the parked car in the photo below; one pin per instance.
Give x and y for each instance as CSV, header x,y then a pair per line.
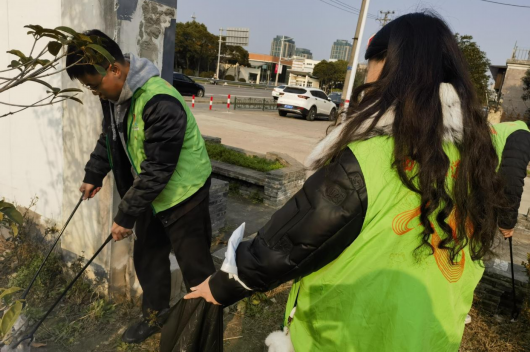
x,y
187,86
276,92
307,102
336,97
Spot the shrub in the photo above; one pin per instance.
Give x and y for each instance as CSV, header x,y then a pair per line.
x,y
221,153
242,80
230,78
207,74
189,72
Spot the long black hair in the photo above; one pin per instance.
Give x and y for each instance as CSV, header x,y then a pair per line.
x,y
420,54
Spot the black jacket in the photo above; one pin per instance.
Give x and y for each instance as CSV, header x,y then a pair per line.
x,y
515,158
325,217
165,127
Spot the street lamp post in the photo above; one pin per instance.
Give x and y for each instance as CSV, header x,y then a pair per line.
x,y
219,54
280,59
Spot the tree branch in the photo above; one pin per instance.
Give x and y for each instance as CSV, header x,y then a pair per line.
x,y
27,107
34,105
63,69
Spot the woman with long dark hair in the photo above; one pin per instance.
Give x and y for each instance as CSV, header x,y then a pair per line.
x,y
386,238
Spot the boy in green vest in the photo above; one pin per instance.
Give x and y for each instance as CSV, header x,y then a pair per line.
x,y
152,144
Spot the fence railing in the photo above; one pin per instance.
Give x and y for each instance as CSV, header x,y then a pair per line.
x,y
254,103
233,83
521,54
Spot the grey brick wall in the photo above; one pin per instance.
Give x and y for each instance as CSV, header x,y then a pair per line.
x,y
274,187
283,183
218,201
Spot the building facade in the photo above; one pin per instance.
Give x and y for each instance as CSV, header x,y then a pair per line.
x,y
305,53
301,73
509,85
341,50
289,47
266,64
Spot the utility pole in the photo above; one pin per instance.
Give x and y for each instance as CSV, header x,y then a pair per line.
x,y
219,54
354,57
278,68
385,19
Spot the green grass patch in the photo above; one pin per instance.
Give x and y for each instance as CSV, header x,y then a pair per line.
x,y
221,153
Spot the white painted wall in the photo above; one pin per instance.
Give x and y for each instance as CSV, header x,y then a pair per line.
x,y
44,150
31,142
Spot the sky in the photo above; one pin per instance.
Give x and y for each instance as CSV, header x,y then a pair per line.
x,y
315,25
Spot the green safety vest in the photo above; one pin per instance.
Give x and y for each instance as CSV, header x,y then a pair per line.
x,y
376,296
193,167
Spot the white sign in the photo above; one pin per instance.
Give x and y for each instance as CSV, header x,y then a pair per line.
x,y
237,36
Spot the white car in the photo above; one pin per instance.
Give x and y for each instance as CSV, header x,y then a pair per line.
x,y
307,102
276,92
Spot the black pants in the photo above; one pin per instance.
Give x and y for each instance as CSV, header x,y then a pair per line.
x,y
188,231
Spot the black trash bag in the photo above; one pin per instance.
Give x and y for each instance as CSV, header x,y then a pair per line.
x,y
193,325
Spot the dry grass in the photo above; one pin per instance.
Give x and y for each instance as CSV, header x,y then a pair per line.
x,y
496,333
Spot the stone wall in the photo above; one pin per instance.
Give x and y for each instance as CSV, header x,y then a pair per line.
x,y
282,184
512,88
218,201
275,187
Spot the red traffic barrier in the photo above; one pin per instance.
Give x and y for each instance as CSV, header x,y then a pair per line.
x,y
193,101
228,102
211,102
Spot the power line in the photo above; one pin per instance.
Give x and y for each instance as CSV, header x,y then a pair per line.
x,y
505,4
354,8
345,5
346,9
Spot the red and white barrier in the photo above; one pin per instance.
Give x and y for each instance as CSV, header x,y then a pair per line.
x,y
193,101
228,102
211,102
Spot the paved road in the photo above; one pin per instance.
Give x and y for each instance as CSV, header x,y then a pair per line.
x,y
261,132
223,91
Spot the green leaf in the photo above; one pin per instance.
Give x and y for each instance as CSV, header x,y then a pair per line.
x,y
1,216
43,62
53,32
9,291
14,64
38,29
70,97
17,53
14,228
54,91
76,99
100,70
42,82
64,41
54,48
11,212
86,38
66,30
53,36
102,51
71,90
10,317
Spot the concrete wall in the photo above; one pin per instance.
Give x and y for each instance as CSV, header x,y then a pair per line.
x,y
512,88
45,149
30,141
139,28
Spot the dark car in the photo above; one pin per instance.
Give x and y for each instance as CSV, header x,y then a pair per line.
x,y
187,86
336,98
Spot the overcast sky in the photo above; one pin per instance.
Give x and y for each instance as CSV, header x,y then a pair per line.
x,y
315,25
